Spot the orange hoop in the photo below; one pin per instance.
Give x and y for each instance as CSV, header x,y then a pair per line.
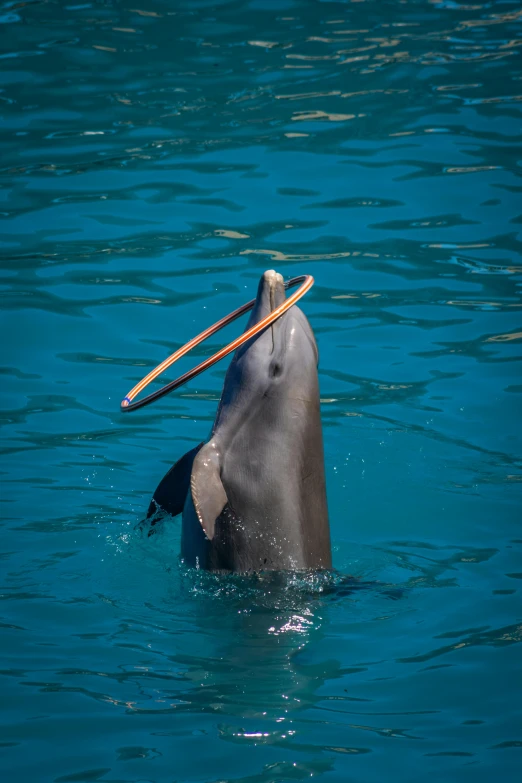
x,y
306,281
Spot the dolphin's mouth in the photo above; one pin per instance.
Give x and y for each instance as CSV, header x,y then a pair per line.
x,y
272,294
274,285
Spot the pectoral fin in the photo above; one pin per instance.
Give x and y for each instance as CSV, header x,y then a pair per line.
x,y
172,491
208,493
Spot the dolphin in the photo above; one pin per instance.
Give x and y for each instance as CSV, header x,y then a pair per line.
x,y
253,497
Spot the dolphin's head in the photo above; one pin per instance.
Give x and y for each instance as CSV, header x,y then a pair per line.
x,y
281,361
285,351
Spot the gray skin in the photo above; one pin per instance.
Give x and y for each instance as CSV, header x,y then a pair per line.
x,y
253,497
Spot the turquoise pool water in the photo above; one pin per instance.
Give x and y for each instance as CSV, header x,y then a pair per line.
x,y
156,158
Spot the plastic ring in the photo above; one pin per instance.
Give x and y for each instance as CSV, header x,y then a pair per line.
x,y
127,403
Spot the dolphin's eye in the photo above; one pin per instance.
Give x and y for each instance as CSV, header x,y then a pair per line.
x,y
275,369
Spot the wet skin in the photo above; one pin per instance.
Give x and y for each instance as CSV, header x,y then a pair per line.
x,y
253,497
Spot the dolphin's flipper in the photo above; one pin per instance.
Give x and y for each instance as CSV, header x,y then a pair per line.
x,y
172,491
208,493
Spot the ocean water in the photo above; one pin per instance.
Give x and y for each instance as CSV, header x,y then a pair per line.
x,y
156,158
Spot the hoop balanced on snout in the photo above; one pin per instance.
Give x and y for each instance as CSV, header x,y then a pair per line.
x,y
253,497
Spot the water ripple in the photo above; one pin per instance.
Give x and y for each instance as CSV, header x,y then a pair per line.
x,y
156,160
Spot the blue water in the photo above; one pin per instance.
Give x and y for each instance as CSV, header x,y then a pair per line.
x,y
156,158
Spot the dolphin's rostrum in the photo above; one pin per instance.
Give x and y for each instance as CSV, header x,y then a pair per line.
x,y
253,497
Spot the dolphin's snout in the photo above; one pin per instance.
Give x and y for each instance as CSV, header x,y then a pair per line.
x,y
272,277
270,294
272,290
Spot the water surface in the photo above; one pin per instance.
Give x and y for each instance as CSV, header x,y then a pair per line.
x,y
156,158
